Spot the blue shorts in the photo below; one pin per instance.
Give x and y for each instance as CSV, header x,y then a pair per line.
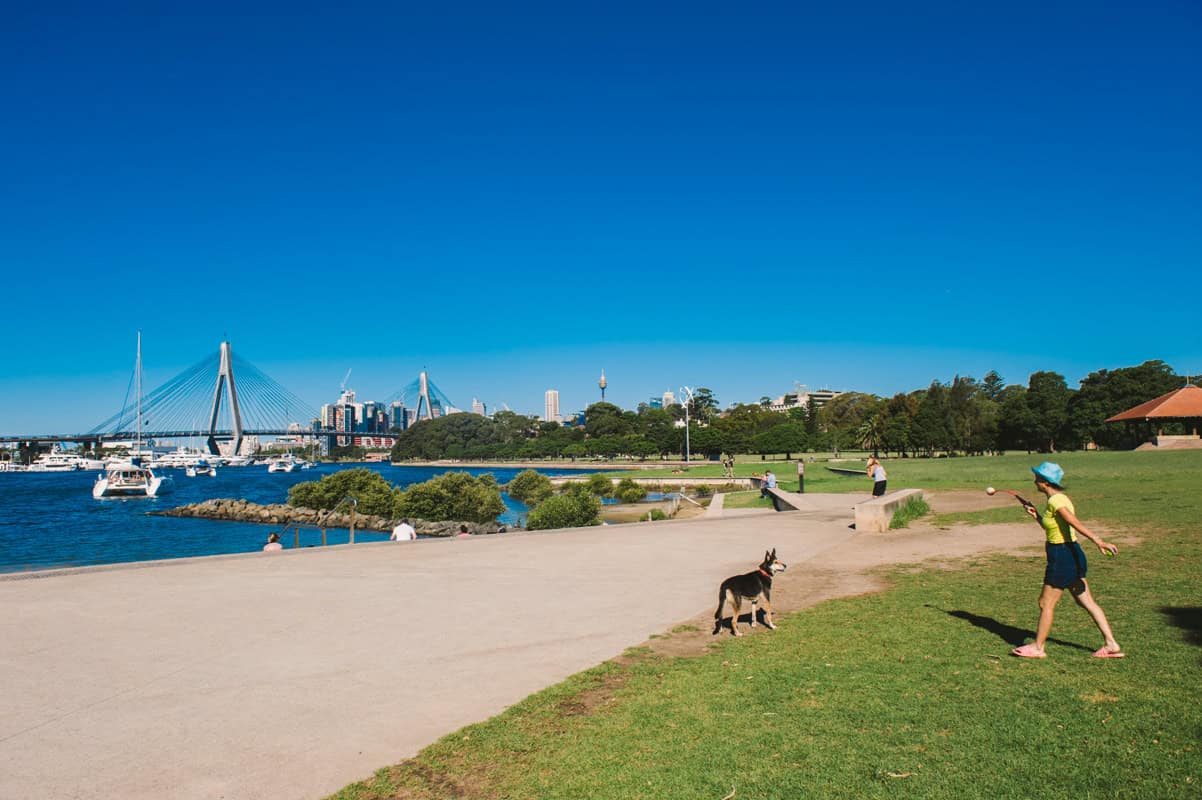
x,y
1066,565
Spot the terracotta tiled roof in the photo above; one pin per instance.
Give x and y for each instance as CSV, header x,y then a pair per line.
x,y
1180,404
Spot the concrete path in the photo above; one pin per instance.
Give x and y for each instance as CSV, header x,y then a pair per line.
x,y
289,675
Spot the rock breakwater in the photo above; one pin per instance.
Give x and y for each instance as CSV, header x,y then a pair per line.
x,y
283,515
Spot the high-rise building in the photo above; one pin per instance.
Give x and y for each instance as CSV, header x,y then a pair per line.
x,y
396,416
551,406
669,399
478,407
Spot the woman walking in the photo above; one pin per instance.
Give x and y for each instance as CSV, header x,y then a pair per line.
x,y
1066,564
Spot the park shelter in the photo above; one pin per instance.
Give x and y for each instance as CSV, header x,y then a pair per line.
x,y
1184,405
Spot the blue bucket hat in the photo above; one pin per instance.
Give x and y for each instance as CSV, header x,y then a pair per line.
x,y
1052,473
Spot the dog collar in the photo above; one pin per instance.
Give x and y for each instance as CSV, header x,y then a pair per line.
x,y
766,574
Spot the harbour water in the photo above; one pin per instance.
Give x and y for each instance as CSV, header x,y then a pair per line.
x,y
50,520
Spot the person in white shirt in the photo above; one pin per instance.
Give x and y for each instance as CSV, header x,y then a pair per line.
x,y
403,532
877,473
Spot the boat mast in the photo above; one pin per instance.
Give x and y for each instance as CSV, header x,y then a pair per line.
x,y
138,390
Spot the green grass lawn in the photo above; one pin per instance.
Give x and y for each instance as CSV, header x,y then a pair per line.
x,y
908,693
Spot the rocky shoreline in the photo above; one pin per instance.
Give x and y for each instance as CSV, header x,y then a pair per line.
x,y
283,515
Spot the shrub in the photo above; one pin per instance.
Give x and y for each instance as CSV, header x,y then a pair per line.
x,y
654,515
600,485
628,491
575,508
702,491
530,487
912,509
452,496
373,494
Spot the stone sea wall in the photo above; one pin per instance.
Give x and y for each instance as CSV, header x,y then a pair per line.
x,y
233,510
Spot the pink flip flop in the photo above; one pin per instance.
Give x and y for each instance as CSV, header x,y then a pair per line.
x,y
1029,651
1102,652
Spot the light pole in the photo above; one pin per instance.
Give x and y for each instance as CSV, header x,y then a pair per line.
x,y
686,393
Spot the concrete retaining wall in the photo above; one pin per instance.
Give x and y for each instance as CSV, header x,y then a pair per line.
x,y
876,514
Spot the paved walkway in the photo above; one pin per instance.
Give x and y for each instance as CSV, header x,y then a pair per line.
x,y
289,675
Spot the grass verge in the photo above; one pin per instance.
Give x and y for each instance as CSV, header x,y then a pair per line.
x,y
913,509
908,693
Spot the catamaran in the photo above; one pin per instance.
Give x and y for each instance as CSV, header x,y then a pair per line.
x,y
131,479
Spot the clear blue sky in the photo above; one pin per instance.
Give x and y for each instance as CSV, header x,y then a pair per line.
x,y
519,196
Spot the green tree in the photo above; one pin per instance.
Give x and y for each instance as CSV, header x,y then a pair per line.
x,y
1048,397
1015,419
606,419
703,406
992,385
452,496
1108,392
530,487
373,494
575,508
784,437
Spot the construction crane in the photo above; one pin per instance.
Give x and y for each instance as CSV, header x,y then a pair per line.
x,y
345,378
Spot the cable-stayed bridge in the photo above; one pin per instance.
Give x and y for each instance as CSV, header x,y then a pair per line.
x,y
224,397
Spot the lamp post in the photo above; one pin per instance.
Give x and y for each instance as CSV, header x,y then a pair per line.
x,y
686,393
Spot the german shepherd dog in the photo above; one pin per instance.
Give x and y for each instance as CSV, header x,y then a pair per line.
x,y
754,586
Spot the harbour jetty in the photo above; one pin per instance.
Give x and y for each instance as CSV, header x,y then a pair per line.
x,y
283,515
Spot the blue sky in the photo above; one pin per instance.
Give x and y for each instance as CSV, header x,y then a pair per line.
x,y
519,196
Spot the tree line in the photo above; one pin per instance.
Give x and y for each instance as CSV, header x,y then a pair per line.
x,y
961,416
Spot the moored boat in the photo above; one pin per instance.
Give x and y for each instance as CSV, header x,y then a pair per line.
x,y
130,480
201,468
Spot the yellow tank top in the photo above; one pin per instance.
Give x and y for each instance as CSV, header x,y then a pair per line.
x,y
1058,531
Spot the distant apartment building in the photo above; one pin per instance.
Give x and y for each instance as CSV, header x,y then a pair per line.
x,y
668,399
801,397
478,407
551,406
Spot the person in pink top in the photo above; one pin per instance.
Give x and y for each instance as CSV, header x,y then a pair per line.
x,y
273,542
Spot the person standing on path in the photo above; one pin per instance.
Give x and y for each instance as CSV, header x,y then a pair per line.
x,y
879,478
1066,564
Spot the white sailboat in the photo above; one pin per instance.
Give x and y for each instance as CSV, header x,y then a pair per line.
x,y
132,479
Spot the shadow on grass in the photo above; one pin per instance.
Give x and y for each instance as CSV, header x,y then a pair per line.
x,y
1008,633
1188,619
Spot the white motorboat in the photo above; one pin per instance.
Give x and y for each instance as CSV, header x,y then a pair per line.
x,y
286,463
56,461
201,468
131,480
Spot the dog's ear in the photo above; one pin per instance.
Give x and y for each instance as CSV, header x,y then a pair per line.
x,y
773,554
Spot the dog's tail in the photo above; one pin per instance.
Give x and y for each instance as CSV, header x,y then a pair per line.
x,y
721,602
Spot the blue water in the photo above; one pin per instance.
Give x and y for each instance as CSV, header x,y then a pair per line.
x,y
50,519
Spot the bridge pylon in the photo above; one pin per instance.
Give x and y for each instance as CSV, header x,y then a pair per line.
x,y
423,397
225,379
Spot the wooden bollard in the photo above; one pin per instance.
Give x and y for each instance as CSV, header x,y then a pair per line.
x,y
352,523
323,537
296,537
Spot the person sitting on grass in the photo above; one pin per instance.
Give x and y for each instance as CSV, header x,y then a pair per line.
x,y
1066,564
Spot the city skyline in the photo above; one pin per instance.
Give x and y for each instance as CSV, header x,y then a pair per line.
x,y
865,199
